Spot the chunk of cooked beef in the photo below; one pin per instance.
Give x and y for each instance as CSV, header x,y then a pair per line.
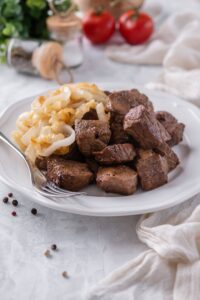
x,y
121,102
93,165
145,129
54,160
118,134
118,179
41,163
170,155
74,153
165,134
115,154
91,115
152,169
174,128
107,93
68,174
92,135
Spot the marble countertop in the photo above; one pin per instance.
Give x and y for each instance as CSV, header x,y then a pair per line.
x,y
88,247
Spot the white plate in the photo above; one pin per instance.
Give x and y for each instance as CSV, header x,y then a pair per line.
x,y
184,182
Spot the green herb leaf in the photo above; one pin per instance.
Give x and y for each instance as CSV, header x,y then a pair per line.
x,y
36,4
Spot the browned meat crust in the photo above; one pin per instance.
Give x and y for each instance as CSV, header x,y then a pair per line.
x,y
115,154
92,135
68,174
152,170
121,102
174,128
145,129
118,179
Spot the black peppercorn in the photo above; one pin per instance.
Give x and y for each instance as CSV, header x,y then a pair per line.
x,y
14,202
14,213
34,211
53,247
5,200
10,195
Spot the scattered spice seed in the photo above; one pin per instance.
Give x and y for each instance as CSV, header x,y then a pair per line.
x,y
54,247
14,202
34,211
5,200
47,253
65,274
10,195
14,213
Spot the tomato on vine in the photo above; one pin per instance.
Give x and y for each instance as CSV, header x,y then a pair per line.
x,y
98,26
136,27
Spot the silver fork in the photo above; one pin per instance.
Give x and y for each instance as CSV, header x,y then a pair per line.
x,y
38,180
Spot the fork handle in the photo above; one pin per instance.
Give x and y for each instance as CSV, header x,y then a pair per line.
x,y
9,143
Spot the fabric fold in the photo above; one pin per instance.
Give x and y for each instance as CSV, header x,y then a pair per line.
x,y
169,269
176,46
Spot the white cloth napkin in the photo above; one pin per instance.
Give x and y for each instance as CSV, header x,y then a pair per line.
x,y
170,269
176,46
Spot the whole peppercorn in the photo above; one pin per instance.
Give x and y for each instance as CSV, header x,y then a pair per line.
x,y
14,213
14,202
34,211
54,247
10,195
5,200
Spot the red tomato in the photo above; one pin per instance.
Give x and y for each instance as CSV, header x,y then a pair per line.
x,y
136,27
98,27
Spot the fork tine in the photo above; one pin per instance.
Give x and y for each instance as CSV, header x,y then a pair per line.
x,y
37,176
57,189
44,192
61,195
58,194
50,191
52,195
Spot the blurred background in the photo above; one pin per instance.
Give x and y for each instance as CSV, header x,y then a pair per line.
x,y
155,43
58,41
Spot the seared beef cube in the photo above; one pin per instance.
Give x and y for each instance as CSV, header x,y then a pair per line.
x,y
165,134
118,179
170,155
115,154
68,174
118,135
41,163
91,115
171,124
121,102
144,127
107,93
54,160
92,135
74,153
152,170
93,165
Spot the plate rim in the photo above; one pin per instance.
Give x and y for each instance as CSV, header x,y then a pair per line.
x,y
90,211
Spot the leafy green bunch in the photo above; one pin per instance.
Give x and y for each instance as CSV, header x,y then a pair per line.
x,y
24,19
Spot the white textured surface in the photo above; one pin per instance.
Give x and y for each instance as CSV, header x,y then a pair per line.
x,y
89,247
